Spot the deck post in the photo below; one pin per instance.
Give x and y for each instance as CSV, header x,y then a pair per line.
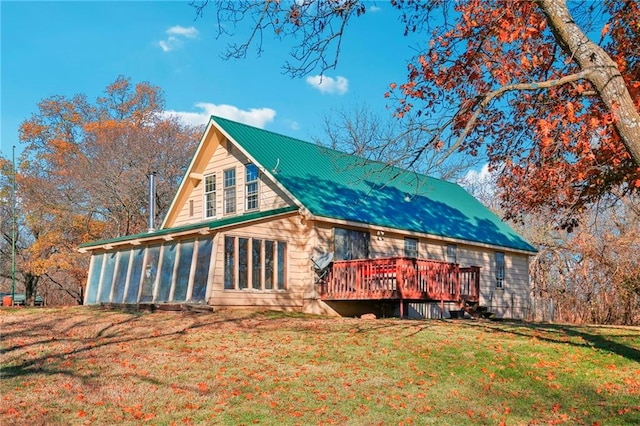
x,y
456,277
401,309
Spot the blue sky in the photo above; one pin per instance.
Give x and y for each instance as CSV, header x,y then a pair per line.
x,y
64,48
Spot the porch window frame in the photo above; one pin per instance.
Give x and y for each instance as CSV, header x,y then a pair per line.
x,y
277,274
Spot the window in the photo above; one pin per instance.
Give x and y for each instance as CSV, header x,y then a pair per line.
x,y
251,184
183,271
202,270
94,278
256,263
411,247
209,196
262,264
499,269
121,276
107,277
150,273
166,273
243,263
230,191
452,255
349,244
136,275
229,263
282,254
268,265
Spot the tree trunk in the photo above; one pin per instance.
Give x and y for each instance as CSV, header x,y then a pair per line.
x,y
605,75
30,289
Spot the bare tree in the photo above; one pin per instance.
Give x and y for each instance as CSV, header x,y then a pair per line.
x,y
374,137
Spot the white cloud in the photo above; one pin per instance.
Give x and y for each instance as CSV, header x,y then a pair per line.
x,y
482,185
176,36
258,117
325,84
190,32
474,176
169,44
374,8
294,125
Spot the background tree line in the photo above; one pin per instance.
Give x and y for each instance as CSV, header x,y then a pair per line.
x,y
82,176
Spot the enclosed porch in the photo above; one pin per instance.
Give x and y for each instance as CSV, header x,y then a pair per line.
x,y
403,279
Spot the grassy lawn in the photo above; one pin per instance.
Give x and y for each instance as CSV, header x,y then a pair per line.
x,y
92,366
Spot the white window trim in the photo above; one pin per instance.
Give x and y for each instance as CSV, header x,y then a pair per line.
x,y
204,197
500,270
246,188
417,247
232,188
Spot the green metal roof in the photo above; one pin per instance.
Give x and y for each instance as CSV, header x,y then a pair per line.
x,y
337,185
214,224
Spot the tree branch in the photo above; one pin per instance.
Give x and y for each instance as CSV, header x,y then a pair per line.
x,y
480,106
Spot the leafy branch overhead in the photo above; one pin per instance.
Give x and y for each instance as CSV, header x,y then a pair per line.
x,y
547,91
316,27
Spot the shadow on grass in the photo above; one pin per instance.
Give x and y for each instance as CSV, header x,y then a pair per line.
x,y
578,336
112,334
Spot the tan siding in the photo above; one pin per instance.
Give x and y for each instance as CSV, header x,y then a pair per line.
x,y
513,299
514,296
299,275
436,250
387,245
270,195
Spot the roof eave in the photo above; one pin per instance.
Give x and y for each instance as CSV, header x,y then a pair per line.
x,y
186,178
388,229
178,232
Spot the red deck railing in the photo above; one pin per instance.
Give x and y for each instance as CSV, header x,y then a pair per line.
x,y
401,278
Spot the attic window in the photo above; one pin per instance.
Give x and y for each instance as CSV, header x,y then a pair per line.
x,y
251,183
230,191
209,196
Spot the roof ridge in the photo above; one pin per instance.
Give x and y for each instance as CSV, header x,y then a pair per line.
x,y
216,117
367,161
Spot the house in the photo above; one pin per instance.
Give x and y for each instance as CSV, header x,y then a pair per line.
x,y
265,220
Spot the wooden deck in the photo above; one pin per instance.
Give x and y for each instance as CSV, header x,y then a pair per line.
x,y
401,278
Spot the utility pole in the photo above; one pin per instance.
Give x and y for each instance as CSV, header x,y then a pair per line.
x,y
13,234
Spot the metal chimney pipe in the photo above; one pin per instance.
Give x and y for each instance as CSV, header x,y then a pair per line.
x,y
152,201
